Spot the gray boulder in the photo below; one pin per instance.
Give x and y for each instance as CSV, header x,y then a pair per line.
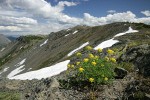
x,y
140,56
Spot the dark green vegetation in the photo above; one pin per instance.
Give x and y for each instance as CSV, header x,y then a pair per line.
x,y
29,38
9,96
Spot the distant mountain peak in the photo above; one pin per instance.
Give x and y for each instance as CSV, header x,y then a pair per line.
x,y
4,40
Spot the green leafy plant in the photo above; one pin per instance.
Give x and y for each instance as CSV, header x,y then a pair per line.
x,y
94,69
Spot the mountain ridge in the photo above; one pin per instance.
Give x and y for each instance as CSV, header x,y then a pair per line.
x,y
34,53
4,40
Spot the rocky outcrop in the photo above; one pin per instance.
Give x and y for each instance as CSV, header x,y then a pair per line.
x,y
138,90
140,56
52,89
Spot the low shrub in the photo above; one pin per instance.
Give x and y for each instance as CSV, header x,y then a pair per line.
x,y
93,69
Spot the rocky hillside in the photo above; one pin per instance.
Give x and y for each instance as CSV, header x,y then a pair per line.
x,y
31,54
56,46
3,41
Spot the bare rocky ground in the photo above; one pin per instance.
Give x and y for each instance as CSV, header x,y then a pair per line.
x,y
128,88
51,89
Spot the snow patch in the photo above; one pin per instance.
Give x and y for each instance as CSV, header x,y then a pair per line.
x,y
21,62
75,32
75,50
29,69
16,71
44,72
44,43
2,49
66,35
21,47
107,43
68,29
129,31
4,70
111,42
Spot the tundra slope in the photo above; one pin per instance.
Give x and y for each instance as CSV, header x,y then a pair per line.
x,y
129,46
56,46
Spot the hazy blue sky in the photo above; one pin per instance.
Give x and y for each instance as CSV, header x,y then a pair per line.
x,y
21,17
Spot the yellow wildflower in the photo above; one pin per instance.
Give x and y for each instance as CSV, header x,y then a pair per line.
x,y
86,60
96,57
72,66
94,63
91,56
109,51
99,50
106,79
77,63
113,60
91,80
68,65
88,48
107,59
78,54
81,69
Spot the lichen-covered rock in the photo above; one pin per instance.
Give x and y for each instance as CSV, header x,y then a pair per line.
x,y
138,90
140,56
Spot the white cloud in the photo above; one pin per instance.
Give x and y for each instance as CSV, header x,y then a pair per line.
x,y
40,7
85,0
111,11
17,20
146,12
145,20
63,3
117,17
34,15
10,28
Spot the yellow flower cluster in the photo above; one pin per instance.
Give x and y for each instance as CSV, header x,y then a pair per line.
x,y
91,55
107,59
79,54
91,80
70,66
109,51
99,50
81,69
96,57
113,60
77,63
93,63
86,60
88,48
106,79
94,68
